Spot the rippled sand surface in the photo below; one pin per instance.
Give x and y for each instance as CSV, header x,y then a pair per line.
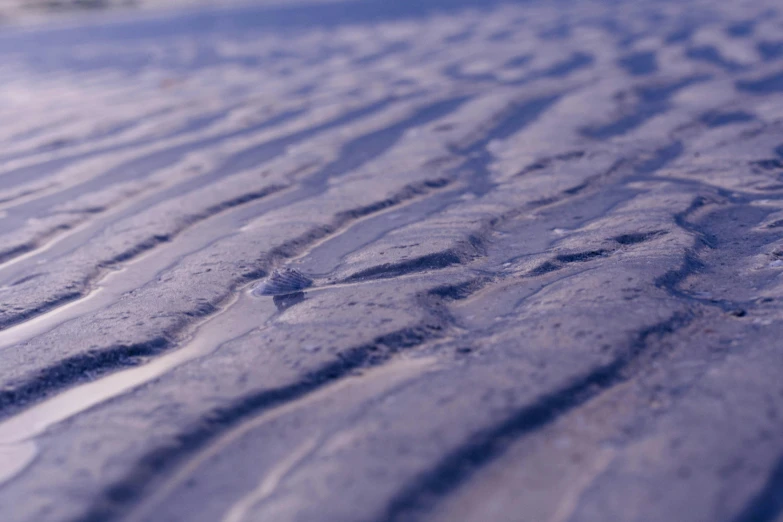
x,y
545,240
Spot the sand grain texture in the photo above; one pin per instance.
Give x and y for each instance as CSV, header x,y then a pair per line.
x,y
546,242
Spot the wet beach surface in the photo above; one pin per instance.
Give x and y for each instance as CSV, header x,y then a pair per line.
x,y
545,239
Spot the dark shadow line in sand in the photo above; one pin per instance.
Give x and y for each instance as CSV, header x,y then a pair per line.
x,y
364,149
718,118
767,504
76,369
435,261
766,85
711,55
517,118
770,50
640,63
653,100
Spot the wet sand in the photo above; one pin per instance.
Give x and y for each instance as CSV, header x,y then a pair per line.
x,y
546,242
